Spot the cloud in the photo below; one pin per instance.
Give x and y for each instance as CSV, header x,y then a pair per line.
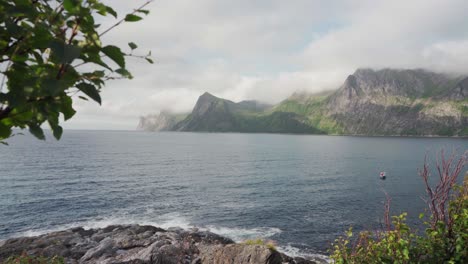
x,y
267,49
447,56
390,34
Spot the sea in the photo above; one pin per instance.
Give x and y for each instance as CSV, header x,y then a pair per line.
x,y
300,191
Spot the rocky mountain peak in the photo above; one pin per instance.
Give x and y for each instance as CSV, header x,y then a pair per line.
x,y
413,83
206,102
351,87
207,95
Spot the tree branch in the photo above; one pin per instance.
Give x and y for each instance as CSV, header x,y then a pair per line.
x,y
4,112
123,19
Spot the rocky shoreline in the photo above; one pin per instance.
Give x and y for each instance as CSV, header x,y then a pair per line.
x,y
144,244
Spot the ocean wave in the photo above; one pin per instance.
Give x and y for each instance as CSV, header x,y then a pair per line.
x,y
240,234
164,221
297,252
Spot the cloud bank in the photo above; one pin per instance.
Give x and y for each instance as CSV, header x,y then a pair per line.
x,y
267,49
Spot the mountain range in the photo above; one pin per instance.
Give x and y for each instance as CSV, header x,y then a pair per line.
x,y
369,102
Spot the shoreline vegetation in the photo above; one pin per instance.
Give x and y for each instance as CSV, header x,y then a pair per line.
x,y
446,219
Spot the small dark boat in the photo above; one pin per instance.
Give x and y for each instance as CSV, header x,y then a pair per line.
x,y
383,175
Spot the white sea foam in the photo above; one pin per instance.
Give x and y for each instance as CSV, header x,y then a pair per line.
x,y
296,252
240,234
164,221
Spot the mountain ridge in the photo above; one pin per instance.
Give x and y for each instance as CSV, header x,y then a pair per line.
x,y
401,102
369,102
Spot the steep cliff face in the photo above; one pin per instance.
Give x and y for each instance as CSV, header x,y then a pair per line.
x,y
163,121
459,92
400,102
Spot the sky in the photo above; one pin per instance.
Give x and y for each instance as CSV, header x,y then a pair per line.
x,y
268,49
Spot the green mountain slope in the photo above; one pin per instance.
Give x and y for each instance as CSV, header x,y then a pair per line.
x,y
383,102
213,114
314,110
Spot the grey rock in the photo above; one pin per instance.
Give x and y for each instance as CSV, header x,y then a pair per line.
x,y
400,102
459,92
239,254
106,246
142,244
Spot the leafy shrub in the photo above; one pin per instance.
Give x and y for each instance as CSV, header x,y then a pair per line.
x,y
445,239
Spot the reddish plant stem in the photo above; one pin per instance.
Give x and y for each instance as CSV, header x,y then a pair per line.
x,y
448,170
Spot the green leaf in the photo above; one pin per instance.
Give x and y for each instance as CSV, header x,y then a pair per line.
x,y
97,60
111,11
90,90
52,86
5,131
24,116
66,108
144,11
132,18
57,131
71,52
124,73
53,120
421,215
37,131
149,60
406,253
71,5
65,53
132,45
100,8
115,54
19,58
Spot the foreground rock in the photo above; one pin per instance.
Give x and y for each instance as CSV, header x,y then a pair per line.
x,y
142,244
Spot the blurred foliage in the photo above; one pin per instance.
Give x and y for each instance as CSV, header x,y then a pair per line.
x,y
51,53
442,242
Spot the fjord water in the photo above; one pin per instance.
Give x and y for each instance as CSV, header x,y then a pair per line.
x,y
300,191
